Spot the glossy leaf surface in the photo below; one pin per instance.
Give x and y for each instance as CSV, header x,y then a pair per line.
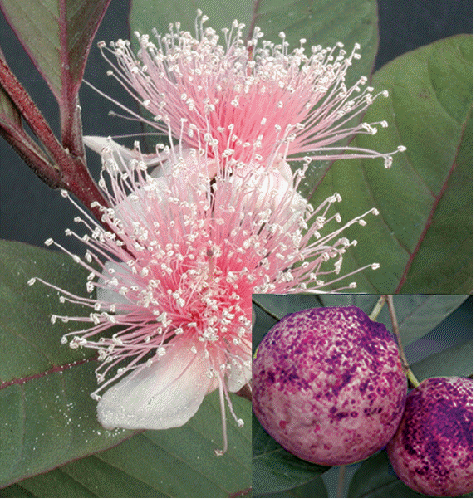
x,y
179,462
423,235
376,478
274,469
182,462
45,405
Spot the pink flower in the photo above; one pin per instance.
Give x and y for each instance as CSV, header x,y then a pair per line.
x,y
178,272
247,98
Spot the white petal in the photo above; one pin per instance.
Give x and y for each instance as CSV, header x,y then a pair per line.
x,y
192,165
121,153
97,143
110,295
164,395
238,377
273,188
283,181
285,170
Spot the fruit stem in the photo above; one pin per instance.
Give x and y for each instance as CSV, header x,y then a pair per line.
x,y
396,331
340,481
378,307
411,377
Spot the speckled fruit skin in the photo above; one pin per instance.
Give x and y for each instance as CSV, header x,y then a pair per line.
x,y
328,385
432,449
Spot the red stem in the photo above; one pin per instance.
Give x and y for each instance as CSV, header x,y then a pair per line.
x,y
30,112
71,126
73,173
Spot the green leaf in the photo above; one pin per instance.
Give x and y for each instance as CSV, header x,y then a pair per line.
x,y
30,343
423,236
43,485
182,460
454,361
376,478
179,462
417,315
15,491
57,34
275,470
321,22
47,414
313,488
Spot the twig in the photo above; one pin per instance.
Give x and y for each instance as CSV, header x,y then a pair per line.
x,y
340,481
377,308
396,332
61,169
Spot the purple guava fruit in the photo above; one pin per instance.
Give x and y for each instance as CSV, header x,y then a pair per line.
x,y
329,385
432,449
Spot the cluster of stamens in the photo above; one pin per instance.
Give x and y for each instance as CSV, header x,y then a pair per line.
x,y
247,104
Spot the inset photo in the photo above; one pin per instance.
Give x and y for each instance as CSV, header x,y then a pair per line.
x,y
362,395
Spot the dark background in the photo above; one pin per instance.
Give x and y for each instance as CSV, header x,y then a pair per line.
x,y
31,212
